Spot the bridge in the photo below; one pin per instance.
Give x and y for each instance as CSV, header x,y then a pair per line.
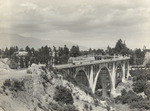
x,y
99,73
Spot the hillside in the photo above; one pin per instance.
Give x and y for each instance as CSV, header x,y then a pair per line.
x,y
33,89
7,40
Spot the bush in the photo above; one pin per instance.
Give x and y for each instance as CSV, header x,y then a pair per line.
x,y
91,108
130,97
148,74
129,78
96,102
147,90
86,106
133,100
141,105
18,85
62,94
7,83
13,85
139,86
139,80
59,107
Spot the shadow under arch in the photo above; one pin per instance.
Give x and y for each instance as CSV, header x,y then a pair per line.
x,y
82,78
126,69
119,74
103,83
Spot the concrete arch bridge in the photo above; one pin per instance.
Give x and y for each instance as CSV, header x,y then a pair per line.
x,y
100,75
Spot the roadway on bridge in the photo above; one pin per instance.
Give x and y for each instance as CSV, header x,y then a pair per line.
x,y
64,66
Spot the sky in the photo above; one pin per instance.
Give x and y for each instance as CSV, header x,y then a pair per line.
x,y
90,23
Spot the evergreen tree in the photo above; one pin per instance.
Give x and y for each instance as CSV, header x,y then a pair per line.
x,y
21,63
66,50
74,51
121,48
6,52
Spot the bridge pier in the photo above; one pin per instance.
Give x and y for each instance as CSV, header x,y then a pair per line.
x,y
123,70
113,76
128,67
91,79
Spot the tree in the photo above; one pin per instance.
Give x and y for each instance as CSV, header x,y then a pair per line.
x,y
11,50
66,50
74,51
6,52
21,63
147,90
139,56
100,51
139,80
121,48
139,86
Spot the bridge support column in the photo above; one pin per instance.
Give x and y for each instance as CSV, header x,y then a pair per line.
x,y
128,67
91,80
123,70
113,76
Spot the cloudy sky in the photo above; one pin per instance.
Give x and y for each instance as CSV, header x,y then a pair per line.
x,y
90,23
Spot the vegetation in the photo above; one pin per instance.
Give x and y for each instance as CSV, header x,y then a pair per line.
x,y
147,90
139,80
61,55
13,85
140,84
133,100
63,95
61,107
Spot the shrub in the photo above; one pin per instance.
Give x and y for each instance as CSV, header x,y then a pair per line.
x,y
129,78
44,76
62,94
91,108
148,74
147,90
140,105
13,85
7,83
18,85
96,102
123,92
130,97
59,107
139,80
29,71
118,99
133,100
86,106
139,86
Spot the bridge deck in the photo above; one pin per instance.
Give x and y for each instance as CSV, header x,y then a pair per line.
x,y
65,66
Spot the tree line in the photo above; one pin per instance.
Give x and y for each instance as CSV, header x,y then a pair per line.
x,y
62,54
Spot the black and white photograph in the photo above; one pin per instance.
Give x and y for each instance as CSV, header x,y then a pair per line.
x,y
74,55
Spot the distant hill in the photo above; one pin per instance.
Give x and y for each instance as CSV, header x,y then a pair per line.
x,y
7,40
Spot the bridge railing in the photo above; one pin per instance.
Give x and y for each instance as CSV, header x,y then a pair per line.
x,y
88,62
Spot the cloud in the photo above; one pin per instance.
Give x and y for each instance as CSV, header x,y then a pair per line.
x,y
29,6
81,21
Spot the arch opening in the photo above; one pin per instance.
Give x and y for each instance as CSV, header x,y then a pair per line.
x,y
103,85
119,75
82,78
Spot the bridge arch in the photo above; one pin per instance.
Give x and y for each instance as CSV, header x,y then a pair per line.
x,y
102,86
81,77
119,74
